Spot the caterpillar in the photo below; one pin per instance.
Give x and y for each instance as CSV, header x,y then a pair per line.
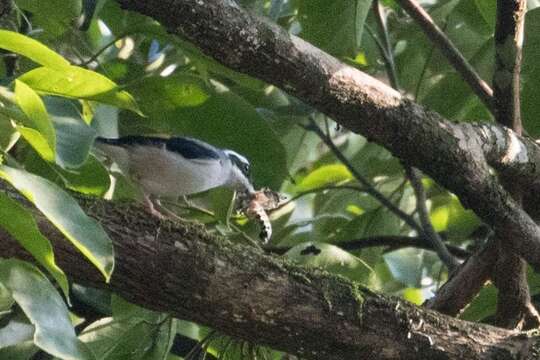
x,y
255,206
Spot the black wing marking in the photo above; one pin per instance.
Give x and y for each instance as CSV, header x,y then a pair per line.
x,y
187,147
192,148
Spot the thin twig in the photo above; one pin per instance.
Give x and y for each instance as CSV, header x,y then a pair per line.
x,y
427,228
450,51
391,241
319,190
102,50
429,232
368,187
380,17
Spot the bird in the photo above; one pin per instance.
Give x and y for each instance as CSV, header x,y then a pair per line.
x,y
175,166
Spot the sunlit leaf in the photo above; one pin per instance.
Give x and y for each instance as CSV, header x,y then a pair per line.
x,y
325,175
76,82
8,134
37,141
413,295
62,210
34,108
22,226
449,215
42,304
32,49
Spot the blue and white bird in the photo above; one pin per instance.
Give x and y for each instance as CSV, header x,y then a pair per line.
x,y
177,166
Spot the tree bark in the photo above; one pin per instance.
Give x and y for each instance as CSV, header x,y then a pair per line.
x,y
183,270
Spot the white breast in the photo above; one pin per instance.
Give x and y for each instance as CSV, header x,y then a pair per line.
x,y
166,173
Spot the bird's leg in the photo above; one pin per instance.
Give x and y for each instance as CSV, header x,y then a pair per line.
x,y
166,213
151,208
230,209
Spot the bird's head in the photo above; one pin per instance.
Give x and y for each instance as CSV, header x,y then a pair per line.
x,y
240,171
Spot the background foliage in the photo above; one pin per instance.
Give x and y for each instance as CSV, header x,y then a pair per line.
x,y
84,67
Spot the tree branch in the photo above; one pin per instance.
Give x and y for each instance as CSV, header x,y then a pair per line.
x,y
182,270
449,50
514,306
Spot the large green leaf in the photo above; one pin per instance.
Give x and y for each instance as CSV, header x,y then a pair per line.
x,y
37,141
64,212
34,109
334,26
79,83
21,225
132,333
42,304
32,49
74,138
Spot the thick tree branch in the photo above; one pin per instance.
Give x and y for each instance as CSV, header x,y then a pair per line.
x,y
514,306
465,283
238,290
449,50
250,44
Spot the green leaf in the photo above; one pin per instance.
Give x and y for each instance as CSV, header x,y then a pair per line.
x,y
448,214
413,295
74,138
76,82
8,134
325,175
62,210
34,108
37,141
488,9
42,304
132,333
334,26
483,305
331,258
32,49
21,351
407,265
17,330
54,16
20,224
